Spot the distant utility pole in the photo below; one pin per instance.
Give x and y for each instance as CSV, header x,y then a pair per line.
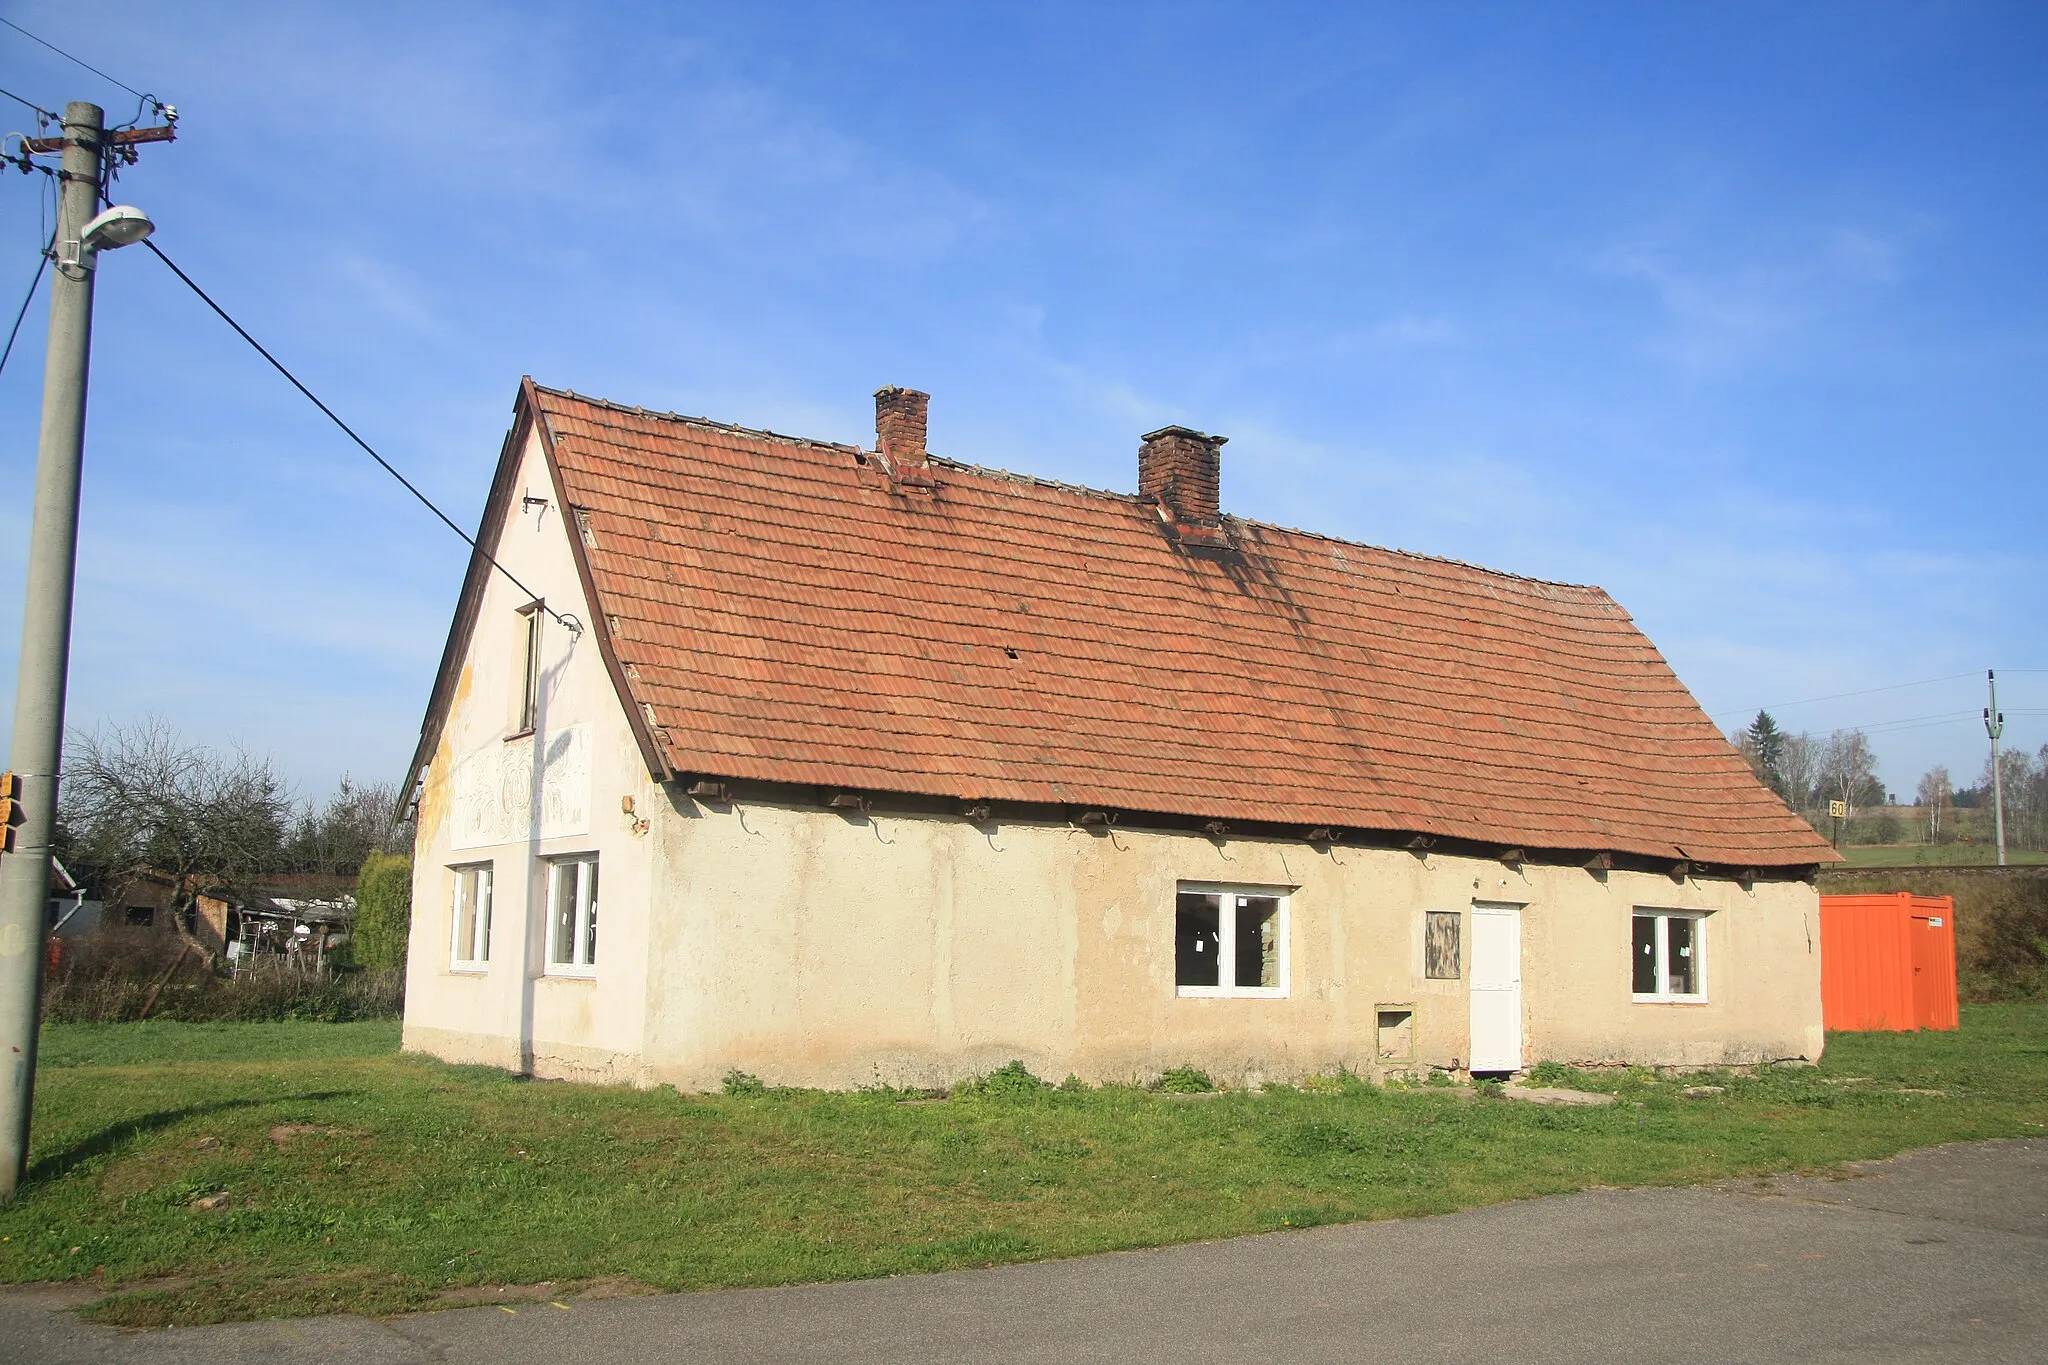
x,y
82,233
1994,726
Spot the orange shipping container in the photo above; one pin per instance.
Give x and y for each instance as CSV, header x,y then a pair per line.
x,y
1888,962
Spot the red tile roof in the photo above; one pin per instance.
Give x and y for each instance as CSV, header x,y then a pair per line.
x,y
780,611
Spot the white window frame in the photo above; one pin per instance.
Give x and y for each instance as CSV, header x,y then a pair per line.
x,y
475,955
583,866
1663,995
1226,947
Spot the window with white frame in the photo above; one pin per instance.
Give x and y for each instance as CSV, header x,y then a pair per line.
x,y
1668,957
470,939
572,915
1230,941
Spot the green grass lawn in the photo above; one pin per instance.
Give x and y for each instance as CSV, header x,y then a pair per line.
x,y
1936,855
356,1178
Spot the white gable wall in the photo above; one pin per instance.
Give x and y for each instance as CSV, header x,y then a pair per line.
x,y
512,801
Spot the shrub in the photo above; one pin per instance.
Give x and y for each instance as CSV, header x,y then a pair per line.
x,y
383,911
1186,1080
738,1082
1010,1080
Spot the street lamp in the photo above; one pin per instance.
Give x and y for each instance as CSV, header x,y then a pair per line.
x,y
121,225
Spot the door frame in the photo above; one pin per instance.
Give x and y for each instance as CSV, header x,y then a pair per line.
x,y
1511,914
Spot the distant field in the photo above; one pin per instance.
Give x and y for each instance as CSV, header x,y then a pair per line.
x,y
1935,855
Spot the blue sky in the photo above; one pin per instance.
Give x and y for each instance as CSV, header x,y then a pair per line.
x,y
1735,310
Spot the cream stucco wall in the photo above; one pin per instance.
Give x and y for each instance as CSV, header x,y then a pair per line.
x,y
814,948
516,1014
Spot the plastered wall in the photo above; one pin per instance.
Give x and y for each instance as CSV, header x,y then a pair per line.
x,y
492,795
817,949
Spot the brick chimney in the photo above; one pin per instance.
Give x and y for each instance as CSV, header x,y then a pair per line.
x,y
1182,470
899,428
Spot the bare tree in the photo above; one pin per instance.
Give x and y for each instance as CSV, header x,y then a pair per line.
x,y
1799,762
1848,770
1935,796
137,799
2023,784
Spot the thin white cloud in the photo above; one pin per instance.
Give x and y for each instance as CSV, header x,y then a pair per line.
x,y
1723,309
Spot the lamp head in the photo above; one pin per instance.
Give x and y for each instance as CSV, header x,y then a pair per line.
x,y
121,225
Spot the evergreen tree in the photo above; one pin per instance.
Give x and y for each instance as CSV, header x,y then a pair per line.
x,y
1767,747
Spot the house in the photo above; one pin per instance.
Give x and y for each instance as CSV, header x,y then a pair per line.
x,y
891,768
150,900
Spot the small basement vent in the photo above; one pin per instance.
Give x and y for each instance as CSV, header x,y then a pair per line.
x,y
1396,1033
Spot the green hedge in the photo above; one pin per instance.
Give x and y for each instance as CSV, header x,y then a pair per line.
x,y
383,912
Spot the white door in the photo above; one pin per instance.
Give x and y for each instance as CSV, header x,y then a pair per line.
x,y
1496,988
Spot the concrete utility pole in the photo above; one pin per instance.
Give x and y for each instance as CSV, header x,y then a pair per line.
x,y
46,637
1994,726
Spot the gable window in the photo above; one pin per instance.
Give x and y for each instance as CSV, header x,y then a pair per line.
x,y
1667,961
1230,941
470,941
572,916
529,666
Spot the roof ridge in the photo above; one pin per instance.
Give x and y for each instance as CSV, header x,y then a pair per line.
x,y
1422,555
708,423
1040,481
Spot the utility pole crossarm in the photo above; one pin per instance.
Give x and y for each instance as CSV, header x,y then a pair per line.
x,y
120,137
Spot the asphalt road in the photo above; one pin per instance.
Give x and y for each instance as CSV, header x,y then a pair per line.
x,y
1939,1255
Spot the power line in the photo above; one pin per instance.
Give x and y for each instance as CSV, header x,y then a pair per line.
x,y
1885,727
571,622
41,112
1863,692
69,58
42,264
